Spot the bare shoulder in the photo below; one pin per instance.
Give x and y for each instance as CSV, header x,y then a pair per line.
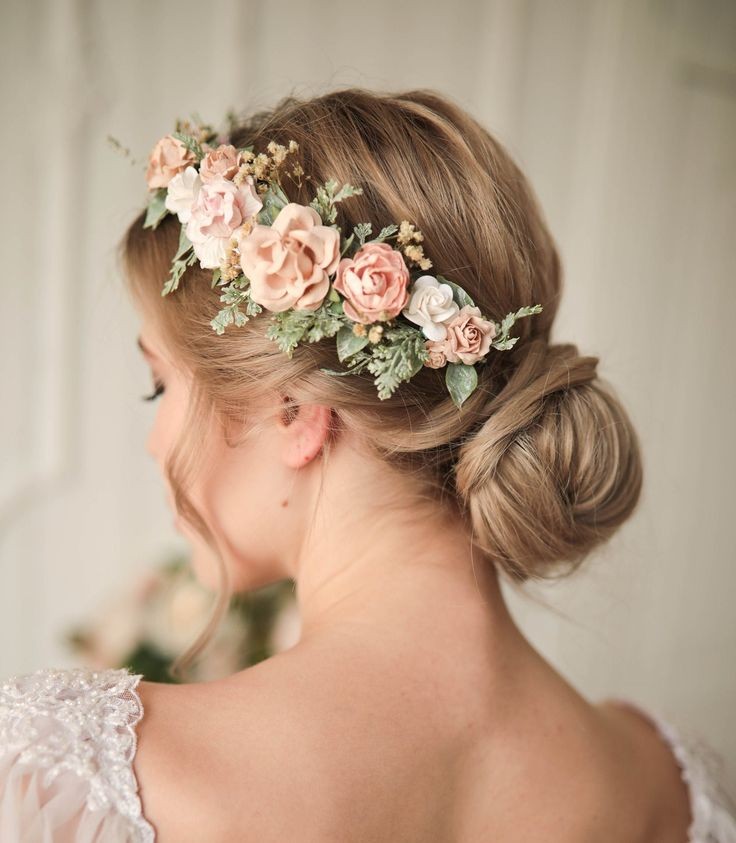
x,y
288,749
323,746
655,775
229,759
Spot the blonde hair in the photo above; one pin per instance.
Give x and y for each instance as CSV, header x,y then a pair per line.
x,y
542,461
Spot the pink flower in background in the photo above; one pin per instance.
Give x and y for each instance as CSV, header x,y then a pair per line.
x,y
223,161
469,336
167,158
374,283
289,262
220,207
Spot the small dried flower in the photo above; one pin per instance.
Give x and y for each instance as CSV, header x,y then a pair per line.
x,y
261,166
278,151
407,233
245,170
230,268
375,333
359,329
416,254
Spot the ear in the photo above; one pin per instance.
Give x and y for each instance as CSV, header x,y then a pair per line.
x,y
305,431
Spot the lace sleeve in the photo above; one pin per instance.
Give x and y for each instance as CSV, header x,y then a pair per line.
x,y
67,743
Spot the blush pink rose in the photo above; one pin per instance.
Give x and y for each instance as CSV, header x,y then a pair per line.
x,y
289,262
220,207
469,336
374,283
223,161
167,158
437,358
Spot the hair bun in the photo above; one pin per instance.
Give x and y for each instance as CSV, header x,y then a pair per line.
x,y
554,469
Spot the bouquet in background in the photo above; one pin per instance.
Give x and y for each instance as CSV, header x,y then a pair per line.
x,y
150,623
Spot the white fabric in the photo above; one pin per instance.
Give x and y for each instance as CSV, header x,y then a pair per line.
x,y
68,740
67,743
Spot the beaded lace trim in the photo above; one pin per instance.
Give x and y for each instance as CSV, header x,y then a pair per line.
x,y
98,711
712,810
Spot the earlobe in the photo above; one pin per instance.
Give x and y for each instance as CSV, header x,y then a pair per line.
x,y
305,433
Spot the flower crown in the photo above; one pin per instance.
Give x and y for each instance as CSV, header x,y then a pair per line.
x,y
387,314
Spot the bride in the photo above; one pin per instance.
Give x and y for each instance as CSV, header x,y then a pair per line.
x,y
399,435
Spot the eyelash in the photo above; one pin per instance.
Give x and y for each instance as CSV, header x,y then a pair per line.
x,y
158,391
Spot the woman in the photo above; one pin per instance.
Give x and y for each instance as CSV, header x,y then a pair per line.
x,y
390,445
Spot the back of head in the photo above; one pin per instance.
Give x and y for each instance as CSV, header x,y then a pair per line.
x,y
542,459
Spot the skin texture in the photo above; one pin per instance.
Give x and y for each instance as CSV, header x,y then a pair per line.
x,y
412,708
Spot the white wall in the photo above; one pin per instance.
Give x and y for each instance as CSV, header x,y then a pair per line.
x,y
622,113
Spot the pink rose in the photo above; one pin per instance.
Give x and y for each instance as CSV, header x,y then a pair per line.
x,y
374,283
223,161
289,262
168,158
220,207
437,358
468,337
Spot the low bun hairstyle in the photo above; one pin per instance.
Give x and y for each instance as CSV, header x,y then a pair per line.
x,y
554,469
541,462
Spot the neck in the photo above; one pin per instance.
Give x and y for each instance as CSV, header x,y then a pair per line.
x,y
375,566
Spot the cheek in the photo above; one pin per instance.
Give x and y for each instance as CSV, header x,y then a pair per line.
x,y
167,425
240,487
156,444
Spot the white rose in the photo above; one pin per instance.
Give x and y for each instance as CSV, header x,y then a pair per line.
x,y
181,193
210,251
430,304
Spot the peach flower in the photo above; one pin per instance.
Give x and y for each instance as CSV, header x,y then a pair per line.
x,y
168,158
220,207
374,283
289,262
437,358
469,336
223,161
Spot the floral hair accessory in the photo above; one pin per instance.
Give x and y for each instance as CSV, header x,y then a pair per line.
x,y
386,313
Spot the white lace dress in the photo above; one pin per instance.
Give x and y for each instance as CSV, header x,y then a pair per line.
x,y
68,740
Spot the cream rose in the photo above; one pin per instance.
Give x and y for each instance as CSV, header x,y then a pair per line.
x,y
167,158
219,208
289,262
431,304
374,283
469,336
223,161
182,192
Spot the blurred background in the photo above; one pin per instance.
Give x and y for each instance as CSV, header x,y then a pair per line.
x,y
622,114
